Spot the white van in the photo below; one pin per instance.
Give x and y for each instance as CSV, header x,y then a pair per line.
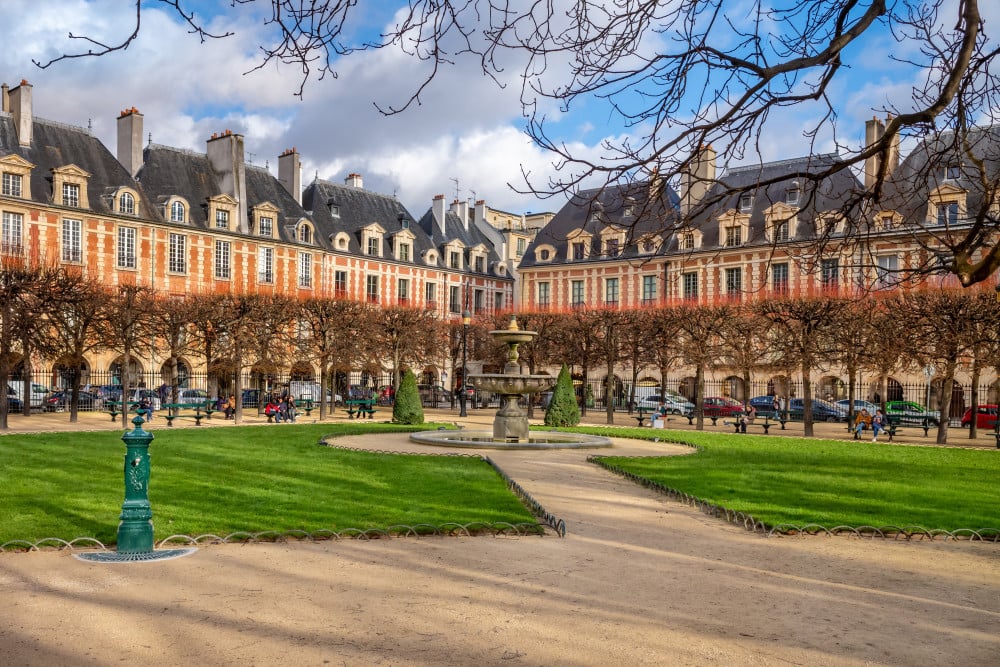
x,y
38,392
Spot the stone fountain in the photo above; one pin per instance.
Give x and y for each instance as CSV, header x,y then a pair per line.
x,y
510,426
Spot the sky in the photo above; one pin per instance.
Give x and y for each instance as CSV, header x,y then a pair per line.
x,y
466,139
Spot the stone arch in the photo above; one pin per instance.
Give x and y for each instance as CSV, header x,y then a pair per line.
x,y
780,385
63,371
302,371
831,388
734,387
618,391
136,372
183,373
687,388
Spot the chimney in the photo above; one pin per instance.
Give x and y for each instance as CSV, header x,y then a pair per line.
x,y
290,173
354,181
5,98
225,154
697,178
461,209
481,211
874,131
437,208
20,108
130,140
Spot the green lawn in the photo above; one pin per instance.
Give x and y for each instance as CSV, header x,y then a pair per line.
x,y
253,478
828,482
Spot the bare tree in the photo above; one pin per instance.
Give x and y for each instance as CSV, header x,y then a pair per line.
x,y
407,337
690,74
74,328
126,323
700,344
170,320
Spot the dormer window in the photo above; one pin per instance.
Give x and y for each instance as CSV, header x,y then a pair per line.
x,y
792,195
579,250
71,195
334,211
612,247
304,233
404,252
952,171
372,248
746,203
543,255
781,231
734,236
947,213
16,176
404,223
480,264
11,184
687,241
454,260
126,203
221,219
178,212
70,183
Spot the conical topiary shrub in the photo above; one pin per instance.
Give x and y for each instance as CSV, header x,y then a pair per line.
x,y
407,408
563,410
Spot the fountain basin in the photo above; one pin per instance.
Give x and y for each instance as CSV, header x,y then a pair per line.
x,y
486,440
501,383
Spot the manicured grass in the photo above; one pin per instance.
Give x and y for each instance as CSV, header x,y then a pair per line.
x,y
251,478
828,482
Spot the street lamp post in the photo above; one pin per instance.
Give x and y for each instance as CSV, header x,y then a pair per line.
x,y
466,319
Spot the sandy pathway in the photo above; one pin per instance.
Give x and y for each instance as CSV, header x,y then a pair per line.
x,y
638,580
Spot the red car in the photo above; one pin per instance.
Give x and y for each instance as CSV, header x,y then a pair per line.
x,y
986,417
717,406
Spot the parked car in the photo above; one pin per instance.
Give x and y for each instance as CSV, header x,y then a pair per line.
x,y
432,394
986,417
109,392
859,405
764,405
192,397
59,401
718,406
909,412
671,403
38,392
14,403
822,410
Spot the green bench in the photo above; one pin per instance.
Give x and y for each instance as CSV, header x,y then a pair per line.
x,y
195,411
361,408
114,408
304,404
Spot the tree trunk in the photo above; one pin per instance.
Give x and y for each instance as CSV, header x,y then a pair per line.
x,y
699,395
974,397
807,411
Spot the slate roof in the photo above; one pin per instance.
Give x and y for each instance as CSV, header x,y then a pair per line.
x,y
652,216
57,145
471,236
814,197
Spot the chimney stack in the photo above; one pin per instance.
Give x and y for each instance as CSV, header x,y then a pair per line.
x,y
130,140
5,98
354,181
480,213
225,154
290,173
874,131
461,209
20,108
697,178
438,210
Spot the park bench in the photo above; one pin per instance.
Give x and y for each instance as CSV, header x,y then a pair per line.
x,y
715,417
305,404
643,414
195,411
361,408
114,408
766,424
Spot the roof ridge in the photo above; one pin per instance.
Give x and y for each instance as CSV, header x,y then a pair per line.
x,y
778,163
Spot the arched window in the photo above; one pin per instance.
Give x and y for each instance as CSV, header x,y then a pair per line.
x,y
177,212
305,233
126,203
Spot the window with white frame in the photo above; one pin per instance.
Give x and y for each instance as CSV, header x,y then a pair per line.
x,y
611,287
687,241
454,299
10,233
72,241
221,219
522,244
886,270
612,247
305,269
265,226
371,288
126,248
265,265
499,301
403,291
781,231
792,195
430,294
11,184
579,250
177,262
374,246
544,294
690,286
340,283
779,278
734,283
830,273
746,203
478,301
126,203
305,233
454,260
648,289
71,194
404,252
223,260
576,293
734,236
178,212
480,264
947,213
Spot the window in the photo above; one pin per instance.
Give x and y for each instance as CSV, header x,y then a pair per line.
x,y
334,211
611,286
371,288
178,254
734,283
221,219
499,301
649,246
305,233
10,235
648,289
576,293
746,203
578,250
629,210
734,236
403,291
781,231
340,283
611,247
478,302
792,195
687,241
455,260
830,273
223,252
431,294
305,269
404,252
454,300
11,185
126,204
177,212
952,172
71,241
126,247
373,246
690,286
543,255
886,269
70,194
521,245
779,278
265,265
947,213
544,295
480,264
266,227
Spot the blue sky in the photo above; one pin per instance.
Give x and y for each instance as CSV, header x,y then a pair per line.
x,y
466,129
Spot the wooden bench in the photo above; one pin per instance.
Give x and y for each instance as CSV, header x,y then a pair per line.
x,y
174,411
361,408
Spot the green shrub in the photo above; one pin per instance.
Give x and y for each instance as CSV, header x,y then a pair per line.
x,y
563,410
407,408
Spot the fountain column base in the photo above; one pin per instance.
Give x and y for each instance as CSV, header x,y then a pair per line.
x,y
510,423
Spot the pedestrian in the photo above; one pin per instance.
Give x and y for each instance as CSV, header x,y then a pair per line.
x,y
861,422
776,406
230,408
878,424
288,409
